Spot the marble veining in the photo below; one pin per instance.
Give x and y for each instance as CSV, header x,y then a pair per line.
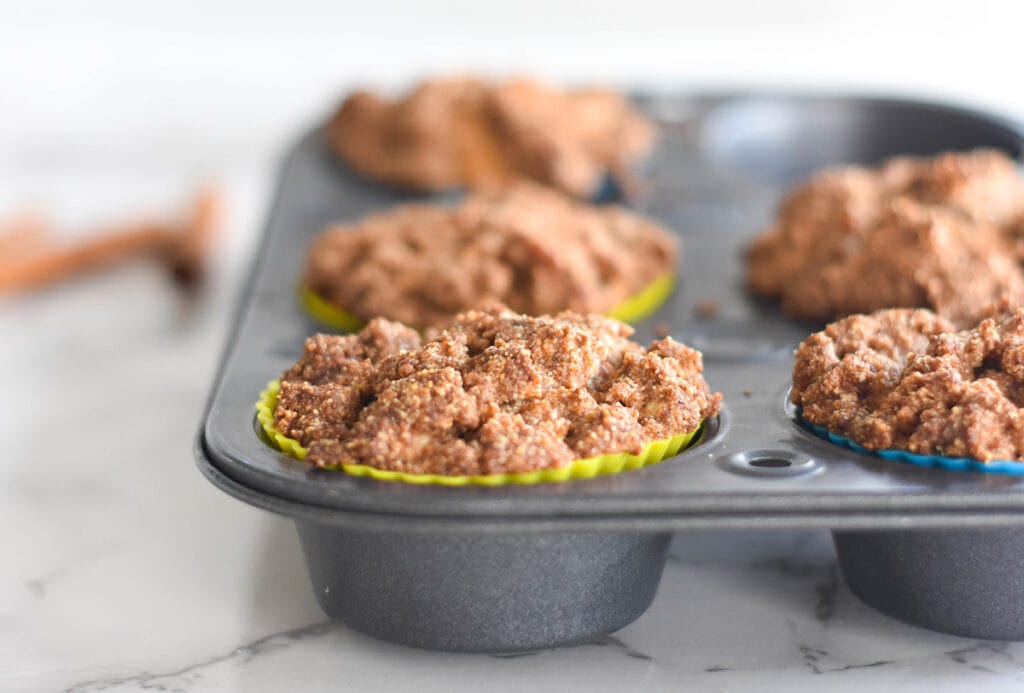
x,y
618,645
610,641
40,584
181,679
826,590
979,655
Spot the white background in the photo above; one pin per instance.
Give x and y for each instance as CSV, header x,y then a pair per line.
x,y
141,81
196,88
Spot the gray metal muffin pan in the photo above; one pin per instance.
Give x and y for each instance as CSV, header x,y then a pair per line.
x,y
524,567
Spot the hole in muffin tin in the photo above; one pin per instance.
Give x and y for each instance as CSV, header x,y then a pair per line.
x,y
770,463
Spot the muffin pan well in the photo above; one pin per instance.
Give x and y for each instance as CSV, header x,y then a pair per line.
x,y
517,568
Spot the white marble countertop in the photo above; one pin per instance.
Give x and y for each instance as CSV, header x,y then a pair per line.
x,y
124,570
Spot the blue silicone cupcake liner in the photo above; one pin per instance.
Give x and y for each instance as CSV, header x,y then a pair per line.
x,y
957,464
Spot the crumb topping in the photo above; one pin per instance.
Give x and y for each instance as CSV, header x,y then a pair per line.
x,y
942,233
906,379
494,393
469,131
529,248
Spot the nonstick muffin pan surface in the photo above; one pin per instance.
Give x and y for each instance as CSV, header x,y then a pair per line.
x,y
522,567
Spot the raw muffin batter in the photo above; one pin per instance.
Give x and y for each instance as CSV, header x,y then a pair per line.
x,y
495,393
940,233
455,132
906,379
528,248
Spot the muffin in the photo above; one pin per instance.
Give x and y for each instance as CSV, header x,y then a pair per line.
x,y
528,248
473,132
904,379
495,393
942,233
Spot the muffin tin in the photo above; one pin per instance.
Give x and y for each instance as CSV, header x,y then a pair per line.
x,y
517,568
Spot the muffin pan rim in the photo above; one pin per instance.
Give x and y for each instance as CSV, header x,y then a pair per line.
x,y
642,494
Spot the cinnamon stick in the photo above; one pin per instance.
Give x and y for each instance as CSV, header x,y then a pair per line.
x,y
28,260
189,251
22,236
54,265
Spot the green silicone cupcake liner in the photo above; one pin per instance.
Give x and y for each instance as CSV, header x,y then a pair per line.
x,y
649,299
633,309
652,453
328,313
